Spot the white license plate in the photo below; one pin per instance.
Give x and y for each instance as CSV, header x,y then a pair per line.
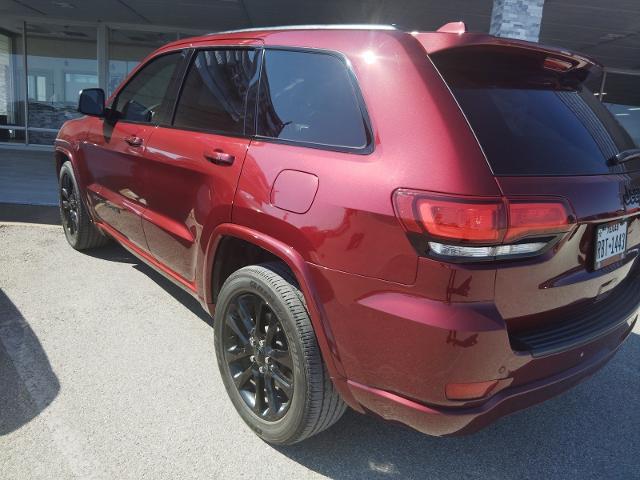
x,y
611,243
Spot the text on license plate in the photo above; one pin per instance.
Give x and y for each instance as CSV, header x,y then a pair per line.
x,y
611,241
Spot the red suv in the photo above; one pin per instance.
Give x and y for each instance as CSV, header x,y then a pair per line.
x,y
438,228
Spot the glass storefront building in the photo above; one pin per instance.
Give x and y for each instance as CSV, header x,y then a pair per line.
x,y
43,67
45,62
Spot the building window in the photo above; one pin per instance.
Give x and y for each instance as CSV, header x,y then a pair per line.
x,y
11,83
74,82
38,87
61,60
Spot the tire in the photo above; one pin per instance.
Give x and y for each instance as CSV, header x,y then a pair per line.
x,y
315,404
78,227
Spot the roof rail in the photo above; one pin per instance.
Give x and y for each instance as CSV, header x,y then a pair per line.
x,y
358,26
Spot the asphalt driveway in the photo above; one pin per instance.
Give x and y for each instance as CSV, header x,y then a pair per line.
x,y
108,371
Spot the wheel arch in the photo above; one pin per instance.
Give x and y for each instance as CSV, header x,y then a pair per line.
x,y
63,152
61,156
300,270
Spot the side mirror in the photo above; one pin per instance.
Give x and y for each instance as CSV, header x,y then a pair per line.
x,y
91,102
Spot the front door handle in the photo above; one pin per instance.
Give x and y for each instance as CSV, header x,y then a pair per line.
x,y
133,140
219,157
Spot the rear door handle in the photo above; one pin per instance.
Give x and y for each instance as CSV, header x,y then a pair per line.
x,y
219,157
133,140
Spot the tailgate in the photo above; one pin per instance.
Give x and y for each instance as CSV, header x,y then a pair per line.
x,y
568,275
544,133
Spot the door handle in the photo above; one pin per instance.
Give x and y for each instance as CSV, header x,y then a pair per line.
x,y
133,140
219,157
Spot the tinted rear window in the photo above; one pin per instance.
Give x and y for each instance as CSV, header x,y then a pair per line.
x,y
530,120
309,98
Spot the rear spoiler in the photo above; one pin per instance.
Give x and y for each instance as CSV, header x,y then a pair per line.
x,y
454,35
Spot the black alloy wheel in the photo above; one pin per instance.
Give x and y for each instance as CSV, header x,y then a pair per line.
x,y
269,358
69,205
257,354
79,229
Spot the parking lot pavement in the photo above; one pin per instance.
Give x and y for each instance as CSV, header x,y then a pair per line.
x,y
108,371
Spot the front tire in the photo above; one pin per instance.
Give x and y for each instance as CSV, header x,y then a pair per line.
x,y
269,358
78,227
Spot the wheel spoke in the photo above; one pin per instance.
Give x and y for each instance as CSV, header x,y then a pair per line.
x,y
259,315
65,193
281,356
237,353
232,321
245,316
241,378
272,329
272,399
74,221
68,186
283,383
258,405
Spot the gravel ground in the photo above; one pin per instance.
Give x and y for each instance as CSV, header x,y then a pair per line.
x,y
108,371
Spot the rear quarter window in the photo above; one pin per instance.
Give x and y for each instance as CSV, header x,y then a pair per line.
x,y
309,98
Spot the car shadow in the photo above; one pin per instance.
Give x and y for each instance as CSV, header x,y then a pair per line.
x,y
116,253
592,431
27,382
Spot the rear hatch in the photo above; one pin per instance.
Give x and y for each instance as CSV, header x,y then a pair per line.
x,y
536,114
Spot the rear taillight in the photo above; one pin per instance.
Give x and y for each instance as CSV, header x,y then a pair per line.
x,y
482,227
461,219
536,217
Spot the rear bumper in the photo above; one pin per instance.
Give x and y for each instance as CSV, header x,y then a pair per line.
x,y
399,350
451,421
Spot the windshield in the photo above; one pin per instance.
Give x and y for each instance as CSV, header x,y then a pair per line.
x,y
532,120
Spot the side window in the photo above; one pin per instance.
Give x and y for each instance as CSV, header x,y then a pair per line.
x,y
310,98
142,98
214,93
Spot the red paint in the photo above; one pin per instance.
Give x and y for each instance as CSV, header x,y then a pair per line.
x,y
394,327
145,256
185,189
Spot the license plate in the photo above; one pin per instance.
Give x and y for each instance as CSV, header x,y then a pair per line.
x,y
611,243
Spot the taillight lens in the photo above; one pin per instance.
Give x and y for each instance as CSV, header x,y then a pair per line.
x,y
465,219
528,218
471,220
455,224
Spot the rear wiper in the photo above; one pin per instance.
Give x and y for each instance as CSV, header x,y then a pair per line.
x,y
625,156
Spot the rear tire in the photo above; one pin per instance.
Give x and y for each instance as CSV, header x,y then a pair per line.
x,y
78,227
240,335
